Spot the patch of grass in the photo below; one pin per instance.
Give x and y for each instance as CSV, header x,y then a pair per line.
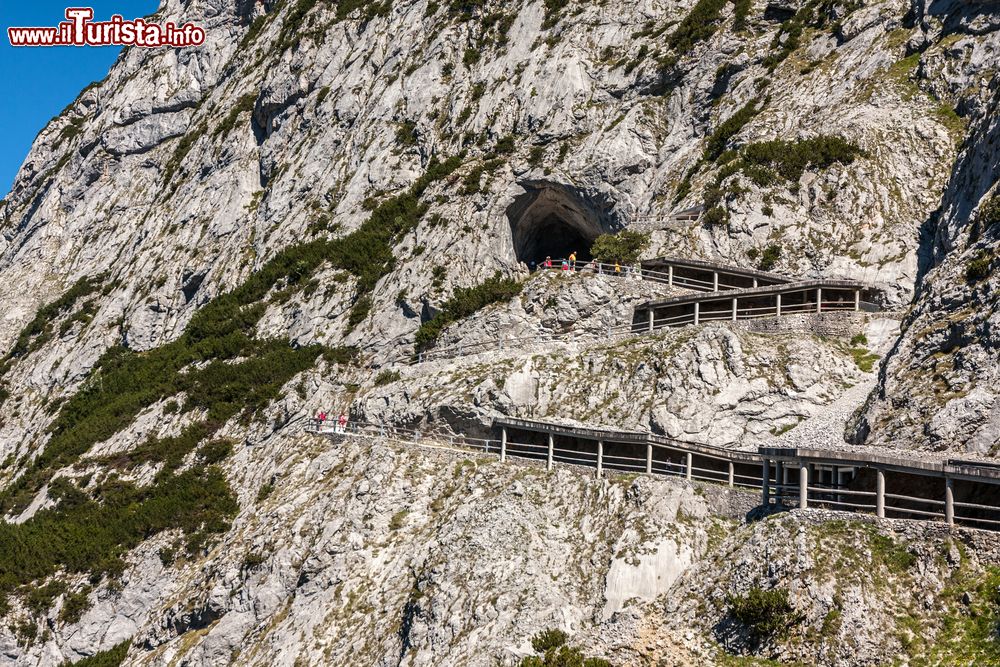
x,y
398,519
894,556
113,657
979,267
864,359
968,634
265,491
464,302
386,377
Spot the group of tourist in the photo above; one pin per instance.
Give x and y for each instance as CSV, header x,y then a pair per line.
x,y
339,427
569,264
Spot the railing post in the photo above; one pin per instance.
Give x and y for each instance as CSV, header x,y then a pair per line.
x,y
819,299
600,457
734,308
715,281
670,275
503,444
765,482
777,311
949,501
754,282
651,316
696,312
803,485
857,300
548,462
880,493
687,470
732,474
649,459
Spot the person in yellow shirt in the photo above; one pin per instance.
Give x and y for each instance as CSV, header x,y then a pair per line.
x,y
572,261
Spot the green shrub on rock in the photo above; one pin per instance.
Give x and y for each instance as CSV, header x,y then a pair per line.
x,y
764,613
557,653
624,247
464,302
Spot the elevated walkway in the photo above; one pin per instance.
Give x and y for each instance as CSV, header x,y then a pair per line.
x,y
889,484
747,303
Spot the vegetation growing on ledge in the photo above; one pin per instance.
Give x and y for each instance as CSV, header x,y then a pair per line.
x,y
730,128
219,369
764,613
464,302
768,257
978,268
113,657
624,247
39,331
813,14
768,161
987,218
557,653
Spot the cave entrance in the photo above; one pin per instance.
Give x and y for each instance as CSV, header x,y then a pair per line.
x,y
554,220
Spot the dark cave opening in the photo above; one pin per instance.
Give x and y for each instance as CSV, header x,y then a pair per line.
x,y
554,220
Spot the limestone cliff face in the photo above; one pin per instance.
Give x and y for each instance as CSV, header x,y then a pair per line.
x,y
481,136
939,387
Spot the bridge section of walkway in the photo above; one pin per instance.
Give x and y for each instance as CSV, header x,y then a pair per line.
x,y
705,276
886,484
805,296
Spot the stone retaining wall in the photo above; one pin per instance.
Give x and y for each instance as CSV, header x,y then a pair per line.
x,y
844,324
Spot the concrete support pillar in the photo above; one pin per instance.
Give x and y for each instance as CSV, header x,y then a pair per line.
x,y
600,457
765,482
732,474
687,469
696,312
552,445
651,317
735,307
649,459
777,302
880,494
949,501
857,300
780,480
715,281
819,299
503,444
803,486
670,276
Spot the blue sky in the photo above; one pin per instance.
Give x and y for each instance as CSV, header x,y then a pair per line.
x,y
42,81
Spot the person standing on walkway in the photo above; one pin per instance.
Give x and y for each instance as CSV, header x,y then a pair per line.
x,y
572,261
565,265
618,269
548,261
